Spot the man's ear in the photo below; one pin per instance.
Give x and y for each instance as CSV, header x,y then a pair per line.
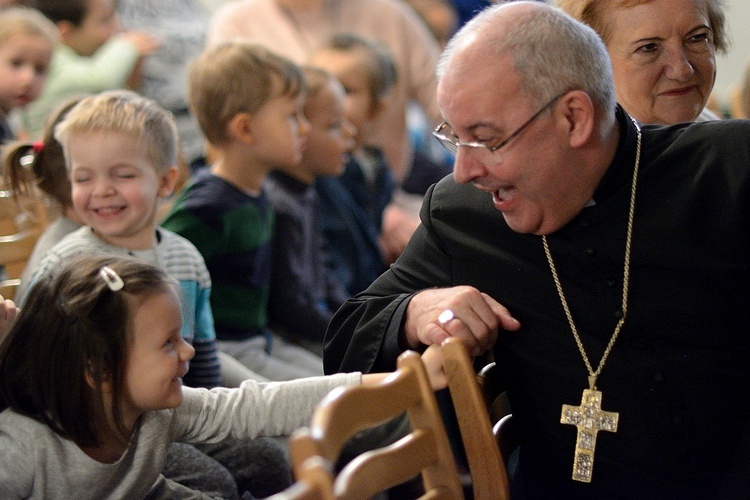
x,y
240,128
579,115
168,181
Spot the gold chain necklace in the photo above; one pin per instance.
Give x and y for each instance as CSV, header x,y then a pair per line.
x,y
589,418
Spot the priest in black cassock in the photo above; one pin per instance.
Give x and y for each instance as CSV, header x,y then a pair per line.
x,y
604,263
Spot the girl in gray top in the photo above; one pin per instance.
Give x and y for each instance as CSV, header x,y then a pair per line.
x,y
90,384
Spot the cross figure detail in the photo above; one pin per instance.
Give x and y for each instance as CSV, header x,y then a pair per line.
x,y
589,418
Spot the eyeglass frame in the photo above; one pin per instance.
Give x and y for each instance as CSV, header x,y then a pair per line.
x,y
452,145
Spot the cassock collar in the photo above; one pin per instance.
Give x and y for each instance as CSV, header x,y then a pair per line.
x,y
620,171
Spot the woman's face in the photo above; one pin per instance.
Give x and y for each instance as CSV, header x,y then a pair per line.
x,y
663,59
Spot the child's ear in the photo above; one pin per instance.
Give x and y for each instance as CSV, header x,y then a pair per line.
x,y
377,108
105,383
65,28
168,181
240,128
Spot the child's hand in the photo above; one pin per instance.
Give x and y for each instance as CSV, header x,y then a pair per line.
x,y
398,226
432,359
433,362
144,43
8,312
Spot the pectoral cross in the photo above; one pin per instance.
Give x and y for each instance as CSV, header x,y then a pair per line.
x,y
589,419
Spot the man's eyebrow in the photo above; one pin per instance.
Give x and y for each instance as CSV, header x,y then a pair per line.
x,y
492,126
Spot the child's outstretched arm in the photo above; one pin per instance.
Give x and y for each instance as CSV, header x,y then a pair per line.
x,y
433,362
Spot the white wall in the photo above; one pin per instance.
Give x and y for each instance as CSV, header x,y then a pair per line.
x,y
730,67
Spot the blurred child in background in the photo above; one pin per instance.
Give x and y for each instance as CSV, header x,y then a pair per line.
x,y
93,56
248,102
304,291
352,204
27,40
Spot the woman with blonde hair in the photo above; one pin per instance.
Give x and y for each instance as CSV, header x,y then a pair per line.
x,y
662,51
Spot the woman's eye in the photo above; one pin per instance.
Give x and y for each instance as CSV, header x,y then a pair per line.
x,y
700,41
648,48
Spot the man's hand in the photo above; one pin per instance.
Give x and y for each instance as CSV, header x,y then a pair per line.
x,y
462,311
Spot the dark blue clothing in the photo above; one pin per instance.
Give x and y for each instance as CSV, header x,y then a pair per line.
x,y
304,292
6,134
351,211
468,8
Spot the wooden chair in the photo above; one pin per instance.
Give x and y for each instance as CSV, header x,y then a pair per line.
x,y
495,398
314,482
14,252
348,410
504,427
506,432
22,221
486,466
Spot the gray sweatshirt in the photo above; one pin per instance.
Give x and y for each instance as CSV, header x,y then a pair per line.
x,y
35,462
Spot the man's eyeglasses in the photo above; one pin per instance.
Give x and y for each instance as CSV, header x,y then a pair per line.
x,y
452,143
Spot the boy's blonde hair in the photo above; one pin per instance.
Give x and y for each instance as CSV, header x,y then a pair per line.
x,y
26,21
237,77
127,112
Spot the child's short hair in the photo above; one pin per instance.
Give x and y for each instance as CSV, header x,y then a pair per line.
x,y
73,11
40,164
316,79
237,77
26,21
377,58
72,336
127,112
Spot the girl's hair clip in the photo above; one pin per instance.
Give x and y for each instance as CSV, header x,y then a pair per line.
x,y
111,278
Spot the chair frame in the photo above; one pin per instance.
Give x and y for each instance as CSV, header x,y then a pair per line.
x,y
314,482
22,221
486,465
348,410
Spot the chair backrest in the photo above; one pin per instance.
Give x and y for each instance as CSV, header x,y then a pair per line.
x,y
425,450
504,427
486,466
491,384
314,482
22,221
